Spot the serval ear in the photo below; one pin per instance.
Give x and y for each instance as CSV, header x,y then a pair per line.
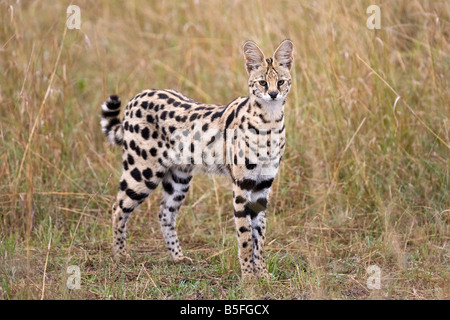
x,y
254,58
284,54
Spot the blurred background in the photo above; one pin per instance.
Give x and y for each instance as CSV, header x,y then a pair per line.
x,y
364,180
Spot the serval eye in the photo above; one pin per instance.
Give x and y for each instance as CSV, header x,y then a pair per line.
x,y
281,82
263,83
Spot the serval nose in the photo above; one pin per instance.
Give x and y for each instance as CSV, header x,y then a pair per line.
x,y
273,94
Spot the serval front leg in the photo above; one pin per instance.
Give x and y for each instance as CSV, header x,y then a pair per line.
x,y
243,226
257,209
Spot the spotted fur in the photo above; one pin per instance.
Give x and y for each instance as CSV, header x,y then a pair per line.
x,y
167,137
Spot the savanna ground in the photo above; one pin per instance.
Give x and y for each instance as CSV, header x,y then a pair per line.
x,y
364,180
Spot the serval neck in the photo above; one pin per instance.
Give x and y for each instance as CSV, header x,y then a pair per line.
x,y
272,110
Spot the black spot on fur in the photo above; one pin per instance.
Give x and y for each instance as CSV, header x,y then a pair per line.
x,y
147,173
263,185
123,185
179,198
211,141
145,133
243,229
240,214
229,120
151,185
110,113
167,186
216,115
179,180
249,165
130,159
160,174
161,162
136,174
153,152
127,210
240,199
136,196
246,184
251,127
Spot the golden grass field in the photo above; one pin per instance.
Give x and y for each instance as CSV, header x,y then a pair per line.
x,y
364,180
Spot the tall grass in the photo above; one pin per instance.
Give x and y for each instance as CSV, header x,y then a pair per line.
x,y
364,181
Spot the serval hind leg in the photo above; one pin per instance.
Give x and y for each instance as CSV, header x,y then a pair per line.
x,y
134,188
175,186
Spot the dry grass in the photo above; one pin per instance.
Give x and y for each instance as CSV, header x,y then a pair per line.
x,y
365,179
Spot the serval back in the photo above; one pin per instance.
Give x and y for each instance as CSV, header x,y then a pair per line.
x,y
167,137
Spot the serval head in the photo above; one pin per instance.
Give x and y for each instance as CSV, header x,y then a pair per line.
x,y
269,79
